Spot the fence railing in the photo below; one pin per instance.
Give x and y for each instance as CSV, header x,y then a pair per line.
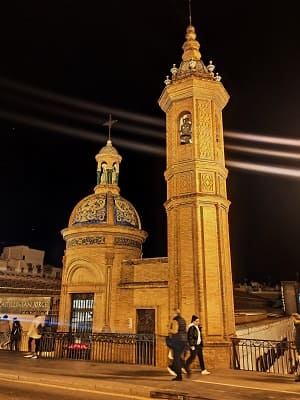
x,y
278,357
145,349
102,347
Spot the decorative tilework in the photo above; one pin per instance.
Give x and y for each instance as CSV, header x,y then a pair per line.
x,y
127,242
207,183
92,211
124,213
86,241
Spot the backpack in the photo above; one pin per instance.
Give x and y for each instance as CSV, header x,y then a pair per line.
x,y
16,330
39,329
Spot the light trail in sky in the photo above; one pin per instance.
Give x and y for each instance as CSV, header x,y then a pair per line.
x,y
127,115
132,144
83,134
261,138
290,172
137,146
86,105
255,150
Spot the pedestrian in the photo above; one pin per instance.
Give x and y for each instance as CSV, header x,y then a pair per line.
x,y
195,342
177,333
35,334
15,335
4,332
296,320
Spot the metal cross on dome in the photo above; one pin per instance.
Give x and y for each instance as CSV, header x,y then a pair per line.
x,y
109,123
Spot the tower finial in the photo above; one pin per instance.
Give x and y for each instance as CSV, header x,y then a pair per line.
x,y
110,123
190,12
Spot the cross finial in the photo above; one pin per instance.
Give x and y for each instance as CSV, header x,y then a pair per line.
x,y
110,123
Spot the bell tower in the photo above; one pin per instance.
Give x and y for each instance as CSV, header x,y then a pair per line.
x,y
200,278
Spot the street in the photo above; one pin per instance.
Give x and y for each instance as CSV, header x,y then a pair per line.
x,y
14,390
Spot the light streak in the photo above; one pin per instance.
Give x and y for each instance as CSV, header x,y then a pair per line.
x,y
136,117
134,145
93,120
74,102
261,138
255,150
290,172
83,134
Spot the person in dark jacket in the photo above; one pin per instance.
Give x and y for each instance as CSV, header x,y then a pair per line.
x,y
296,320
178,336
15,335
195,342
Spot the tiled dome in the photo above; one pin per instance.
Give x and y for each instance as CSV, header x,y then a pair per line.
x,y
103,209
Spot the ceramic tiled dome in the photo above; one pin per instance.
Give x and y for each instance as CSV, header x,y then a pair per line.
x,y
103,209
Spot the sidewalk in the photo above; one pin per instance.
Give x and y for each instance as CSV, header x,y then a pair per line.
x,y
148,381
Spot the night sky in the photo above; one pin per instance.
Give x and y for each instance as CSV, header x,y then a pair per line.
x,y
65,65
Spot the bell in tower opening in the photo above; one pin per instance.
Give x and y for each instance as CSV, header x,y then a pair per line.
x,y
185,128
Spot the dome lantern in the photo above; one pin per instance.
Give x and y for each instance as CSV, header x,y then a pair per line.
x,y
108,161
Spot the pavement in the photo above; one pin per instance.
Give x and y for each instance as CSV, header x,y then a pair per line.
x,y
148,382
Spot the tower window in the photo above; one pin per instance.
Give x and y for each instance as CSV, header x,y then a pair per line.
x,y
185,128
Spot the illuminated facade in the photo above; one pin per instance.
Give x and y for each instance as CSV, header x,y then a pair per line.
x,y
200,279
106,285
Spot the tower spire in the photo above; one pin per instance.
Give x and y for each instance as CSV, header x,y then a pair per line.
x,y
190,12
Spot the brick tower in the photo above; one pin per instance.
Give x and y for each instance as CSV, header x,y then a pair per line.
x,y
200,278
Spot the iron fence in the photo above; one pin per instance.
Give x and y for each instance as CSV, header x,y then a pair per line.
x,y
274,356
101,347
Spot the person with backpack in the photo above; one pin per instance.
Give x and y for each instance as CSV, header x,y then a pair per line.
x,y
178,342
35,334
15,335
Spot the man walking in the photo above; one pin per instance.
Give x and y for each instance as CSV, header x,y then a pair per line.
x,y
179,341
195,342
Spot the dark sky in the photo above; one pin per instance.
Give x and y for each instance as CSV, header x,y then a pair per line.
x,y
65,65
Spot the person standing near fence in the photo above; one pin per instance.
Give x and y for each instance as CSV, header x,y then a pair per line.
x,y
15,335
296,320
35,334
4,332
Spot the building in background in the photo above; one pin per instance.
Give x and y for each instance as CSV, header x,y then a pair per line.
x,y
22,260
27,286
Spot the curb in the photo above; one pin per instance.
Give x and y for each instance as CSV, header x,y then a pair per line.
x,y
82,383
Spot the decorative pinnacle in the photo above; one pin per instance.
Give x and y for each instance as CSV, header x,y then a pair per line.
x,y
191,45
167,81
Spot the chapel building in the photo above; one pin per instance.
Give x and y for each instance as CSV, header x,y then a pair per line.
x,y
106,284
